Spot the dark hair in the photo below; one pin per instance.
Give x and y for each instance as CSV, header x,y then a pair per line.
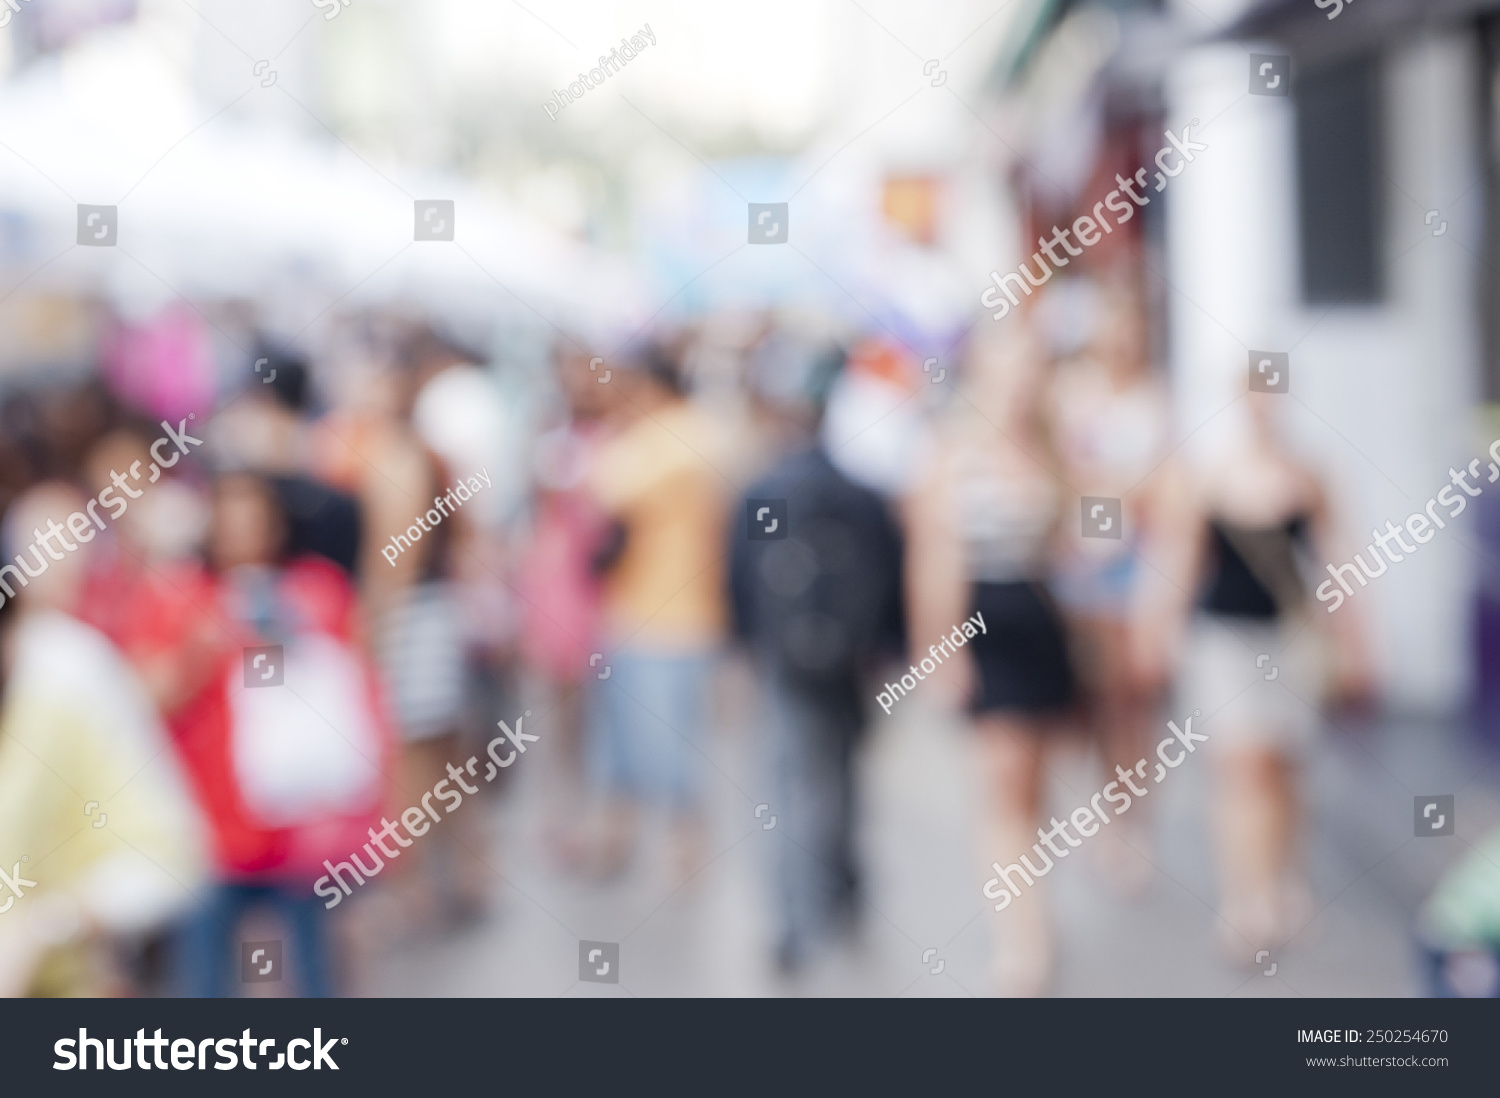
x,y
264,488
437,556
662,366
426,345
792,377
8,617
285,375
7,620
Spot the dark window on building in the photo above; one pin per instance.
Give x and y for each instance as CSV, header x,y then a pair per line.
x,y
1338,182
1489,96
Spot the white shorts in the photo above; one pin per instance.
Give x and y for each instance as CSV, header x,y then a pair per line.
x,y
1256,683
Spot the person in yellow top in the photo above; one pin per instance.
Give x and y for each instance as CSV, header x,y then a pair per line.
x,y
663,603
99,837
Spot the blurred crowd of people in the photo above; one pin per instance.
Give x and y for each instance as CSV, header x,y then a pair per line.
x,y
242,687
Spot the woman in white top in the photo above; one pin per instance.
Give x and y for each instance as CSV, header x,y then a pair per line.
x,y
982,527
1111,415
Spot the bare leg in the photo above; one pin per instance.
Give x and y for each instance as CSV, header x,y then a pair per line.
x,y
1010,757
1255,825
687,842
1294,905
616,836
1122,714
437,873
472,859
563,830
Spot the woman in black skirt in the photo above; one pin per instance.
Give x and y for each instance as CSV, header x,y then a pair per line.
x,y
982,528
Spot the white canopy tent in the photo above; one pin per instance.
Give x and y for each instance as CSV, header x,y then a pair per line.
x,y
212,207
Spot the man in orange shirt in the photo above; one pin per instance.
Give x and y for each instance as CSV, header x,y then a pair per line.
x,y
663,607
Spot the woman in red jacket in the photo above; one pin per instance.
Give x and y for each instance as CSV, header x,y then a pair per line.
x,y
277,718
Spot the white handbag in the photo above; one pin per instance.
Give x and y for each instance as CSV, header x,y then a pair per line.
x,y
307,749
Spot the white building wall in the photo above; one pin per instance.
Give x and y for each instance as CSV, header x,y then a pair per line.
x,y
1383,396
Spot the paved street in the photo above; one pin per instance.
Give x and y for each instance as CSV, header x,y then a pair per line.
x,y
710,938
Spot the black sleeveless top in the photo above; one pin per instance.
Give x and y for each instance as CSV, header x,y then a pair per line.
x,y
1253,569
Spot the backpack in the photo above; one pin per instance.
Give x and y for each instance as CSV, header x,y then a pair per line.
x,y
823,600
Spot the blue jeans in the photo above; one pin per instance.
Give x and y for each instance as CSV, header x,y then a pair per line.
x,y
208,953
646,723
811,732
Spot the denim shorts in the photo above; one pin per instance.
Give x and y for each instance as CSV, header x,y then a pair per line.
x,y
647,724
1096,587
